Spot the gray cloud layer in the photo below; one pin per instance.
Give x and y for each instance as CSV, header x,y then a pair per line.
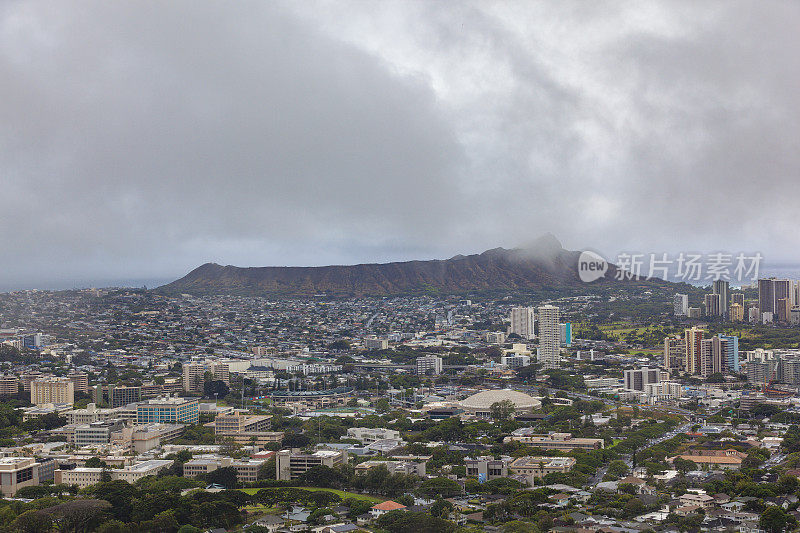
x,y
140,139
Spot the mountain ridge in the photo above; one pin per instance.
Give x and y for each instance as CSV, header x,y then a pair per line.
x,y
542,264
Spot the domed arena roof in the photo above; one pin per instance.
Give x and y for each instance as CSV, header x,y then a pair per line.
x,y
485,399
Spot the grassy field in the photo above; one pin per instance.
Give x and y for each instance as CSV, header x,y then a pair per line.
x,y
342,494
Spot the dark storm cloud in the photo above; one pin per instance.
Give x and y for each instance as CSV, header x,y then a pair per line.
x,y
141,139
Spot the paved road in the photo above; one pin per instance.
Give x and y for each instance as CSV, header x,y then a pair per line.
x,y
598,477
774,460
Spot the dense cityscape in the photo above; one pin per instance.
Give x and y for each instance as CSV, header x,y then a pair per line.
x,y
613,410
399,266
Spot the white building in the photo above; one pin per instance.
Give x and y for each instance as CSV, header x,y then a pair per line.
x,y
664,391
522,322
681,304
370,435
374,343
515,361
429,364
639,378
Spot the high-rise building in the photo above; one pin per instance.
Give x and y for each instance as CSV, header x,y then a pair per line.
x,y
766,295
566,334
771,290
549,354
737,298
762,372
81,381
783,288
714,356
712,302
429,365
692,338
790,371
639,378
193,377
736,312
52,390
116,395
522,322
731,345
9,385
221,371
782,310
721,288
681,304
119,395
674,354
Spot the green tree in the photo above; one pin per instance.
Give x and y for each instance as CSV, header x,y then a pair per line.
x,y
113,526
321,476
618,468
215,389
225,476
518,526
776,520
32,522
440,486
95,462
502,410
683,465
412,522
441,508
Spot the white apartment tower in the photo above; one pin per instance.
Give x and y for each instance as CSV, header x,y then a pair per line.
x,y
429,364
681,304
193,377
549,337
522,322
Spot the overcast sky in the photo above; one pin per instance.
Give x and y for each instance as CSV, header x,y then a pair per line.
x,y
141,139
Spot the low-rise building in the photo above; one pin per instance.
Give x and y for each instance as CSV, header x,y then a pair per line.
x,y
17,472
168,411
370,435
725,459
538,467
90,414
247,469
291,465
134,473
557,441
486,468
96,432
244,428
394,467
81,476
384,507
